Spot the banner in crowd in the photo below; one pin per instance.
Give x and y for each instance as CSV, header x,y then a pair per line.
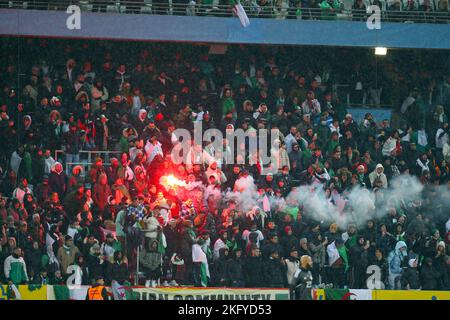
x,y
67,292
60,292
143,293
25,292
342,294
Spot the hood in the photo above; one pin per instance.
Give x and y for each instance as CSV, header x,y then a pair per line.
x,y
142,114
440,243
379,166
54,168
80,94
29,118
399,245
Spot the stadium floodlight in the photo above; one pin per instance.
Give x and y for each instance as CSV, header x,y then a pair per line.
x,y
380,51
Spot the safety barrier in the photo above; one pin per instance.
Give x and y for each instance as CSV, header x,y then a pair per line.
x,y
50,292
62,292
88,158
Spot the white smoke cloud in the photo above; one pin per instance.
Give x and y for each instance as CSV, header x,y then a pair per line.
x,y
358,205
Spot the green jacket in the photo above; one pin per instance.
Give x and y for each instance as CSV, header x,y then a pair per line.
x,y
327,12
124,144
228,106
15,270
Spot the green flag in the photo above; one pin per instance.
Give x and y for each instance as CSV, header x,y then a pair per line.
x,y
337,294
61,292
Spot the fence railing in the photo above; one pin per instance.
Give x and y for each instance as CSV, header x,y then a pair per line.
x,y
277,10
87,158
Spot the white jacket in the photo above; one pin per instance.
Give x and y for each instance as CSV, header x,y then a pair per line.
x,y
389,146
7,265
151,225
292,267
446,152
333,254
152,150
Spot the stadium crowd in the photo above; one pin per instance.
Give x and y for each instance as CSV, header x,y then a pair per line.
x,y
431,11
59,215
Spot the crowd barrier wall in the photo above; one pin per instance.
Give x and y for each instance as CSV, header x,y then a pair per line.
x,y
223,30
49,292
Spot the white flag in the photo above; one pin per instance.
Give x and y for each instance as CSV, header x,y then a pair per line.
x,y
242,15
15,294
118,291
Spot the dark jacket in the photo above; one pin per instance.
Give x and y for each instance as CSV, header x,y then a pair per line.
x,y
236,272
57,182
358,257
220,274
94,266
117,271
429,277
410,277
253,269
274,273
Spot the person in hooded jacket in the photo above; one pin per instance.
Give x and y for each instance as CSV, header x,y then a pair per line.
x,y
378,178
151,262
236,269
141,121
288,241
221,276
101,193
429,276
358,263
57,179
440,263
396,260
95,262
410,278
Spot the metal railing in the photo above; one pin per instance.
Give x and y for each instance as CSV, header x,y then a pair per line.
x,y
86,159
253,9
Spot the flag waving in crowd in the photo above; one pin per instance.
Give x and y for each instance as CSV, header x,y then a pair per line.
x,y
240,12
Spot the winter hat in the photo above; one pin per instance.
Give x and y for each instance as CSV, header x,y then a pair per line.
x,y
411,262
77,168
440,243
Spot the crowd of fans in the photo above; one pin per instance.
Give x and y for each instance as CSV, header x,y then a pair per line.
x,y
392,10
59,215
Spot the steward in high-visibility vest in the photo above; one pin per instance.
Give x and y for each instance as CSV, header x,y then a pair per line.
x,y
98,290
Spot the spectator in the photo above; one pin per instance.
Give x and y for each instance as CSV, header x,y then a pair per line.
x,y
15,268
66,254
